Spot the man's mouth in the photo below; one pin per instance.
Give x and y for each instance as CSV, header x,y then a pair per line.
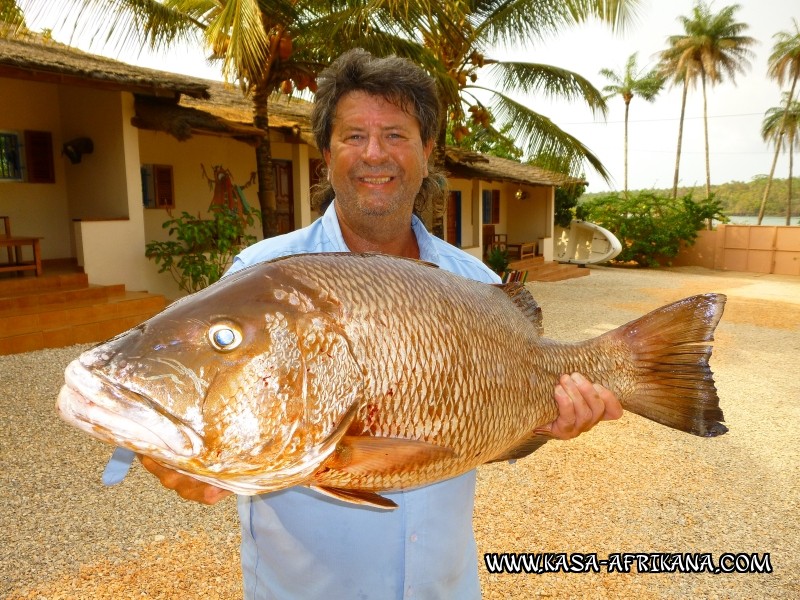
x,y
375,180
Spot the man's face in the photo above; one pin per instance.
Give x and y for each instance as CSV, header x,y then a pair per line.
x,y
377,160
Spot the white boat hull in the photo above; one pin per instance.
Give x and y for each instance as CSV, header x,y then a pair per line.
x,y
585,243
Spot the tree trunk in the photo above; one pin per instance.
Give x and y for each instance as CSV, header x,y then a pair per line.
x,y
266,182
777,152
705,133
627,108
680,138
439,202
789,199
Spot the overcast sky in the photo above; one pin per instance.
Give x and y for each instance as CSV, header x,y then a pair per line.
x,y
735,110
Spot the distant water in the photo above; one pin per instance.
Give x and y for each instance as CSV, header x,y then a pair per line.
x,y
767,220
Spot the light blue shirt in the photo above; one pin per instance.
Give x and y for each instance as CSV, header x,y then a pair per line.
x,y
298,544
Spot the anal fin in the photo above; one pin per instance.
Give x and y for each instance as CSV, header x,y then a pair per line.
x,y
362,497
528,446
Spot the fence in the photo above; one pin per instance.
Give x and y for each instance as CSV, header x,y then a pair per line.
x,y
750,248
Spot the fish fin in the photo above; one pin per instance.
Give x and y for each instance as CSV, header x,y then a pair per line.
x,y
340,431
528,446
675,385
362,497
363,455
525,302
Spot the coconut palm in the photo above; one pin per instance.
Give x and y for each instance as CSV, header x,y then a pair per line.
x,y
784,63
781,126
477,89
710,47
448,39
629,83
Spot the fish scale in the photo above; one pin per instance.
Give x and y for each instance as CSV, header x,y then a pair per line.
x,y
359,374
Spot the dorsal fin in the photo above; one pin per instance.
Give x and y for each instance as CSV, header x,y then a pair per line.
x,y
524,301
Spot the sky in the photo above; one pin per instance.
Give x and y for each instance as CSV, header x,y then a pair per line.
x,y
736,110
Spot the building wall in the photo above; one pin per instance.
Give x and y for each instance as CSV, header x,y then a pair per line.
x,y
37,209
96,187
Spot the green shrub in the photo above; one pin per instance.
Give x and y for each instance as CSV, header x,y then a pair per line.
x,y
203,248
497,259
650,227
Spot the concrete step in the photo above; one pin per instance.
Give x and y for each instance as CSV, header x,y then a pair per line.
x,y
74,322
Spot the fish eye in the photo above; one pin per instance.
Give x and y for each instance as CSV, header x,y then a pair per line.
x,y
224,336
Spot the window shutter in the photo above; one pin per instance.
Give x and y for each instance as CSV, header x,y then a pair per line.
x,y
39,157
165,191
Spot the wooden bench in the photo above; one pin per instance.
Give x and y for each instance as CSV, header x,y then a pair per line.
x,y
14,246
523,249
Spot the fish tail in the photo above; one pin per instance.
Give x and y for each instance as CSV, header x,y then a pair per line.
x,y
674,383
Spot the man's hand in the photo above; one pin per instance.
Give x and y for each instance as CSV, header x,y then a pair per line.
x,y
187,487
581,405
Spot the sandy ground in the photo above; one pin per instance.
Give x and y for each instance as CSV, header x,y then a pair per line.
x,y
628,486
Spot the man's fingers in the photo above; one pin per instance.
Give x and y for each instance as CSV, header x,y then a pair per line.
x,y
187,487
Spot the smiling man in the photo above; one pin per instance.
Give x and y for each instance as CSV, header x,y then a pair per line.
x,y
375,121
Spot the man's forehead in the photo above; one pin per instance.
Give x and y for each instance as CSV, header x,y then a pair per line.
x,y
402,104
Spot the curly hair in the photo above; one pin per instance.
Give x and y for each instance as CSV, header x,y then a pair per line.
x,y
395,79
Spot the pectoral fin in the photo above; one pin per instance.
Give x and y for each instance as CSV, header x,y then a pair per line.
x,y
366,455
361,497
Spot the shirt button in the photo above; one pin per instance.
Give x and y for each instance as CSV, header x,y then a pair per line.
x,y
413,537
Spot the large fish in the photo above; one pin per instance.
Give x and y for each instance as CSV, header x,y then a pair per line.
x,y
357,374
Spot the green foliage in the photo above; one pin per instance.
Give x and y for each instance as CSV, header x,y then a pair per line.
x,y
566,200
650,227
11,14
736,197
486,140
202,248
497,259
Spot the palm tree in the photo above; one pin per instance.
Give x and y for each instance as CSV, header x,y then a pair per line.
x,y
455,38
782,124
784,63
632,82
265,47
448,39
711,46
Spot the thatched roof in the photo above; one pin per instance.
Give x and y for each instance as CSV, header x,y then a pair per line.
x,y
469,165
184,106
290,116
38,60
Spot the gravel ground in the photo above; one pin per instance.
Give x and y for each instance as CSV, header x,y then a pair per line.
x,y
626,486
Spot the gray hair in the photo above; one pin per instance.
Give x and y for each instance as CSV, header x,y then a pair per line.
x,y
399,81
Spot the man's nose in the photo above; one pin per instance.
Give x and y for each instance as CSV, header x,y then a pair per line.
x,y
374,150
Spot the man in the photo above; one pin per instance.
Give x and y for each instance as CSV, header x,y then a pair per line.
x,y
375,121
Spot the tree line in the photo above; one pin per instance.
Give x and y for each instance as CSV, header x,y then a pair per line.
x,y
735,197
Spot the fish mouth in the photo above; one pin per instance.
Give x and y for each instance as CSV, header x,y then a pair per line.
x,y
121,416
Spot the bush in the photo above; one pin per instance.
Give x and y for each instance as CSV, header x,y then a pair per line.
x,y
650,227
497,259
204,247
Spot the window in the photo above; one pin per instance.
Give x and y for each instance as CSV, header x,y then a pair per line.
x,y
10,167
38,152
158,190
491,206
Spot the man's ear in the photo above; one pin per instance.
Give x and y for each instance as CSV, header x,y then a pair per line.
x,y
427,149
326,154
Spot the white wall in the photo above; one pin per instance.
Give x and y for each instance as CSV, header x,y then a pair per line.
x,y
36,209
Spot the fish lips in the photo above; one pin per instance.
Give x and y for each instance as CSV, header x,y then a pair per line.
x,y
120,416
